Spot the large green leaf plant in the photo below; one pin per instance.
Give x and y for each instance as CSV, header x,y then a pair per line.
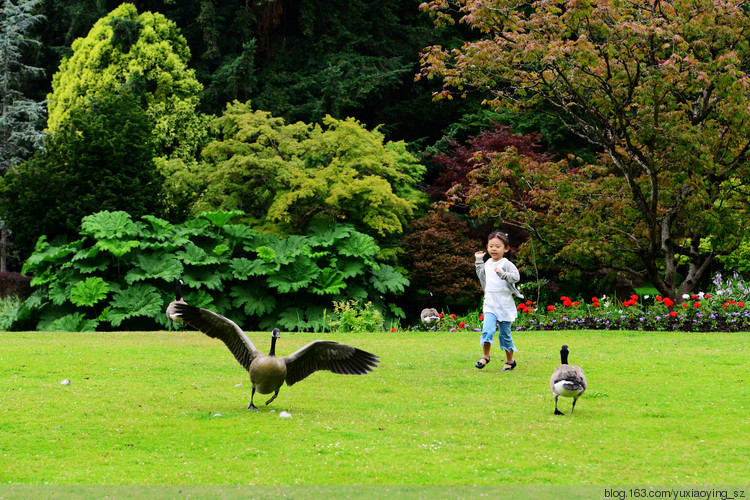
x,y
119,274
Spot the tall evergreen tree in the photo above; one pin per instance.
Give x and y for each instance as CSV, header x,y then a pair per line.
x,y
21,117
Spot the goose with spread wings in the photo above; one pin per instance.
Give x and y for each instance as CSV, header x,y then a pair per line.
x,y
267,372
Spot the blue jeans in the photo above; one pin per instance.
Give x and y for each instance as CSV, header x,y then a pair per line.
x,y
503,332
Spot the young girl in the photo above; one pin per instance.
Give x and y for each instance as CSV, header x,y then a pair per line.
x,y
498,276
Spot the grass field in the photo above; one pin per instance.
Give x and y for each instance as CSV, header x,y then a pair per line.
x,y
163,408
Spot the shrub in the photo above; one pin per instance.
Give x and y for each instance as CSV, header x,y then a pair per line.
x,y
119,274
440,258
14,284
350,317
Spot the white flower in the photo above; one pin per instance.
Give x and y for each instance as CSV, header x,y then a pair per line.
x,y
685,295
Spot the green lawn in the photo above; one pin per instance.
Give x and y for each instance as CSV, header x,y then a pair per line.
x,y
161,408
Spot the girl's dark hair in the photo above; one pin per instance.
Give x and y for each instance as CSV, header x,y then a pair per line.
x,y
502,237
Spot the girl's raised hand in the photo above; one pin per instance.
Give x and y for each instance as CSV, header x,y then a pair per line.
x,y
479,254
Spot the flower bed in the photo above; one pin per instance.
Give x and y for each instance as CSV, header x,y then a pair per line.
x,y
724,309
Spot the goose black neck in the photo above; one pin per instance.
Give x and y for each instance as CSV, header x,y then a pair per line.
x,y
564,356
272,352
178,290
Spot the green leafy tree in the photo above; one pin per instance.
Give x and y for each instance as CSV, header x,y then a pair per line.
x,y
661,88
102,159
287,175
143,52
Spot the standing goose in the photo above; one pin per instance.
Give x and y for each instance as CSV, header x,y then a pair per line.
x,y
171,308
268,373
429,317
567,380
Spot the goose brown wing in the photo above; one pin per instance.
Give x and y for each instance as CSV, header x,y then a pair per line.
x,y
217,326
328,355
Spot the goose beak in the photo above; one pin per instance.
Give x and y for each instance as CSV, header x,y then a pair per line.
x,y
276,333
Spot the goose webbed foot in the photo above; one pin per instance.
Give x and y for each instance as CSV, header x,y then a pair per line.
x,y
252,405
557,412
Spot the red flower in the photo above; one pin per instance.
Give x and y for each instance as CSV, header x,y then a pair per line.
x,y
481,317
741,304
658,298
462,324
668,302
673,313
696,305
528,302
440,314
453,316
393,329
596,304
684,304
550,308
576,303
693,296
634,298
567,302
707,296
564,298
594,299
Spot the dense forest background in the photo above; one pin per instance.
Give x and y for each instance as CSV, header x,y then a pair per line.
x,y
322,73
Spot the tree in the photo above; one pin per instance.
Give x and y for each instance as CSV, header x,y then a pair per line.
x,y
101,160
20,134
660,87
460,160
144,52
21,117
284,176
